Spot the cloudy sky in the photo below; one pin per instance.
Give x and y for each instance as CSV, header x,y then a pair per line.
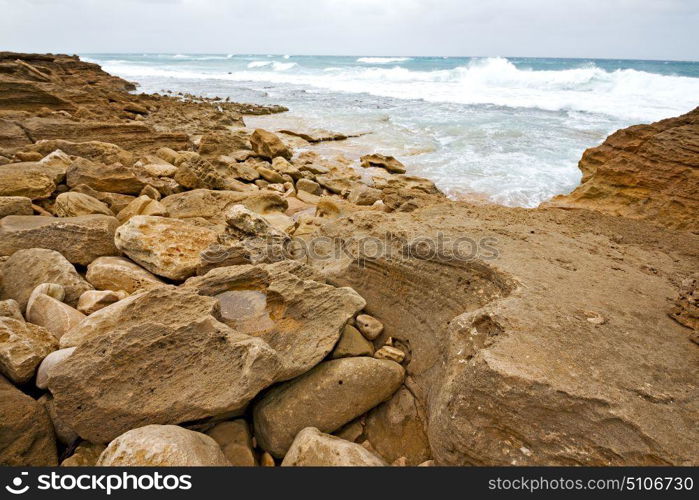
x,y
640,29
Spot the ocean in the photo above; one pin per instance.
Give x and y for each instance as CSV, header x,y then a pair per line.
x,y
508,130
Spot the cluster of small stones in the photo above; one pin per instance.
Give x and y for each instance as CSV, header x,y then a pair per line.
x,y
100,260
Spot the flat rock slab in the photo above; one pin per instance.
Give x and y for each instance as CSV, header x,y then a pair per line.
x,y
151,373
79,239
167,247
327,397
27,269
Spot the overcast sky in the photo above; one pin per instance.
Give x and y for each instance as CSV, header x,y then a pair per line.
x,y
640,29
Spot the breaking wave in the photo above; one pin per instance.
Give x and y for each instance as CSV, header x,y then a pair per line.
x,y
624,93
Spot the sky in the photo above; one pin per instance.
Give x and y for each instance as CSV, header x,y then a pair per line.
x,y
634,29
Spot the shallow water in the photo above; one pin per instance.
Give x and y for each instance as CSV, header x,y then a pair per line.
x,y
510,129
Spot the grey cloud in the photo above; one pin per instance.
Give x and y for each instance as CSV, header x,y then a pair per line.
x,y
652,29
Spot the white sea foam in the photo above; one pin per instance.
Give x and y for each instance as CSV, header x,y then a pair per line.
x,y
628,94
382,60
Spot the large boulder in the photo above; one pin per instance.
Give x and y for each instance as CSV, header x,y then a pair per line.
x,y
382,161
151,373
396,429
114,178
269,145
30,180
300,318
22,348
26,432
327,397
204,203
15,205
643,172
52,314
166,305
118,273
312,448
162,446
73,204
80,239
167,247
27,269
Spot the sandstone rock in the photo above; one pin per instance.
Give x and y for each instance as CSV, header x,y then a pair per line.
x,y
28,180
327,397
162,446
643,172
52,359
370,327
115,201
15,205
268,145
164,304
160,169
197,172
235,441
270,175
335,183
85,455
312,448
352,343
155,373
10,309
307,197
73,204
247,170
27,269
397,429
166,247
390,352
364,195
22,347
53,290
203,203
143,205
151,193
247,221
94,300
53,315
686,308
118,273
301,319
220,143
283,166
114,178
26,433
99,152
308,186
387,162
169,155
79,239
64,434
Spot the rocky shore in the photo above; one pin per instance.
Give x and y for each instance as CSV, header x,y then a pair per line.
x,y
179,289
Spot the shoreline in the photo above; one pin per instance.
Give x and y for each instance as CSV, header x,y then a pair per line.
x,y
151,294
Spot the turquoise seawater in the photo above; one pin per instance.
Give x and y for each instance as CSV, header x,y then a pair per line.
x,y
510,129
